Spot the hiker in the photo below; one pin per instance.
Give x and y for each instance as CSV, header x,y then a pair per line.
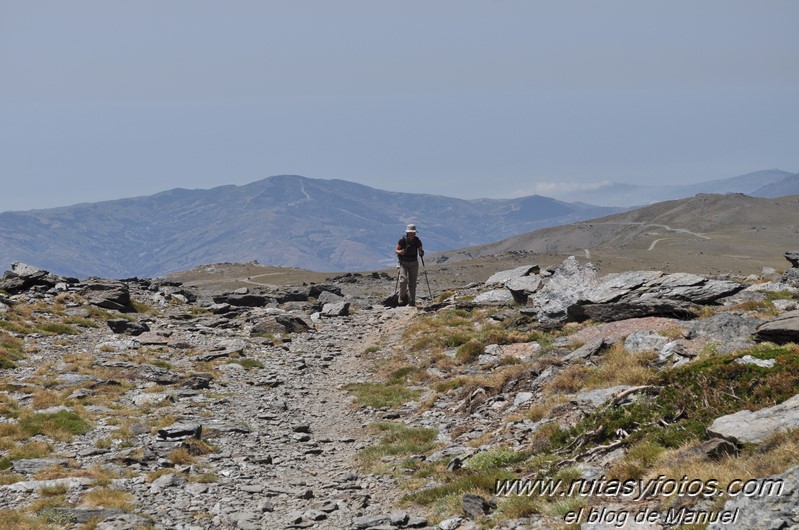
x,y
408,249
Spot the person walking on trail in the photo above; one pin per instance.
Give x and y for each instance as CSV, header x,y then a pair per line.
x,y
409,248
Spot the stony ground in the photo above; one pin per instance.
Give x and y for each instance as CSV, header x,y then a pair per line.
x,y
238,401
277,435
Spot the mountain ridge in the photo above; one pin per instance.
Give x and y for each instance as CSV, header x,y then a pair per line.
x,y
283,220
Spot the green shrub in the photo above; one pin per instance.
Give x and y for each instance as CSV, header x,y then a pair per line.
x,y
59,425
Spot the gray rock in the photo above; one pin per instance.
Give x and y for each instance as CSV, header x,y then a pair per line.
x,y
340,309
783,329
108,294
368,521
475,506
31,466
587,350
613,286
596,398
729,331
522,398
450,524
36,485
793,257
180,431
643,341
293,323
763,363
495,297
791,276
242,300
625,310
220,309
500,278
268,326
522,288
131,327
570,282
755,427
771,509
171,480
326,297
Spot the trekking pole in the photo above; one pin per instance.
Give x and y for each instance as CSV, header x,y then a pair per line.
x,y
424,268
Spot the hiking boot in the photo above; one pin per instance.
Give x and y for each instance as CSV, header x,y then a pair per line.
x,y
404,301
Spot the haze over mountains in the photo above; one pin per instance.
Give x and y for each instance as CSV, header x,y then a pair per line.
x,y
768,183
324,225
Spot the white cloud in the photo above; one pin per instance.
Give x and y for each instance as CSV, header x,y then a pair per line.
x,y
555,189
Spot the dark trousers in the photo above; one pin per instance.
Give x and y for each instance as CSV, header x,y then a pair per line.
x,y
409,271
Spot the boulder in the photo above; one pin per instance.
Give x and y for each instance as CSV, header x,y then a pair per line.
x,y
292,323
587,350
746,426
475,506
642,341
316,290
612,312
326,297
22,277
242,300
793,257
772,509
783,329
131,327
613,286
729,331
340,309
569,283
495,297
268,326
500,278
522,288
108,294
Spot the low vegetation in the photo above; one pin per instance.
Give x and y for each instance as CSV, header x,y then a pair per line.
x,y
656,426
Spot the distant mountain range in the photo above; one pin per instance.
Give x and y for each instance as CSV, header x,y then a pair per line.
x,y
769,183
706,233
323,225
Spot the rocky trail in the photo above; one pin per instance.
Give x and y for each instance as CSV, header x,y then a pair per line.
x,y
146,404
207,424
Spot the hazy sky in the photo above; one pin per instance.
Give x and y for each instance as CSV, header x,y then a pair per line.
x,y
102,100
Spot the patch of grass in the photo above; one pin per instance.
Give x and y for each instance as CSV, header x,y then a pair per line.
x,y
461,482
7,478
693,396
19,520
398,440
30,449
378,395
615,367
205,478
11,349
181,457
109,498
469,351
495,458
637,462
81,322
55,328
248,363
9,408
61,425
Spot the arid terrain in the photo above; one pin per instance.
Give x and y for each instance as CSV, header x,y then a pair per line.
x,y
526,391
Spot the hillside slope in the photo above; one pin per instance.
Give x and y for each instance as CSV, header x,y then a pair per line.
x,y
283,220
705,233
